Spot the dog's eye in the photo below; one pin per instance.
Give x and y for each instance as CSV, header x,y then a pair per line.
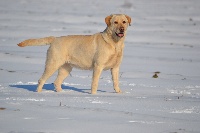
x,y
124,22
116,22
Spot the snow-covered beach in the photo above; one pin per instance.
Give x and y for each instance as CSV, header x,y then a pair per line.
x,y
164,38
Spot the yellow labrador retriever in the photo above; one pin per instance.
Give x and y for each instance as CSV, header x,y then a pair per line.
x,y
101,51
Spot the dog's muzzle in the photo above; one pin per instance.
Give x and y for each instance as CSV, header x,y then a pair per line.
x,y
121,34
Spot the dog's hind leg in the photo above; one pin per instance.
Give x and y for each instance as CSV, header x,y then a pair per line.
x,y
53,63
49,70
63,72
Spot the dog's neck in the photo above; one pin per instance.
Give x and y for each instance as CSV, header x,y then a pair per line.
x,y
110,37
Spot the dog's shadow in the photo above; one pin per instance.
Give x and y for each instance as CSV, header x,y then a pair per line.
x,y
48,87
51,87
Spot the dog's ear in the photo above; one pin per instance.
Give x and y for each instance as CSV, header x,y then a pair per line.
x,y
107,20
129,19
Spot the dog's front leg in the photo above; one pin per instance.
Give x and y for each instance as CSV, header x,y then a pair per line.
x,y
95,79
115,78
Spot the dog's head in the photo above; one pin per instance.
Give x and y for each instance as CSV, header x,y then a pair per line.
x,y
118,23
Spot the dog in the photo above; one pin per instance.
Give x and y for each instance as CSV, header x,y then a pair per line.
x,y
97,52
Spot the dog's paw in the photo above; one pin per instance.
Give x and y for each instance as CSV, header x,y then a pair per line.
x,y
58,89
93,92
118,91
39,90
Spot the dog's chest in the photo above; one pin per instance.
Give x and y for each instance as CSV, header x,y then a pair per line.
x,y
114,58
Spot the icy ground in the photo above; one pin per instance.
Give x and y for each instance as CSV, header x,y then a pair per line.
x,y
164,38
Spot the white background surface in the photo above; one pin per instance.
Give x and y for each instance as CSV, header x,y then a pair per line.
x,y
164,37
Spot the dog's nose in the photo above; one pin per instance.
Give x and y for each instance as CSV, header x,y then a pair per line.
x,y
121,29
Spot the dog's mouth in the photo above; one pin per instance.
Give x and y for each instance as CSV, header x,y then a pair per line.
x,y
121,34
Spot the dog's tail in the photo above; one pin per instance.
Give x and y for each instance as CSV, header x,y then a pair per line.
x,y
37,42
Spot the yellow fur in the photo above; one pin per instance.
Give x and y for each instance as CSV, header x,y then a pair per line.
x,y
97,52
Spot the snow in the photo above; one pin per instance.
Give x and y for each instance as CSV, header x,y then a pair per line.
x,y
164,38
